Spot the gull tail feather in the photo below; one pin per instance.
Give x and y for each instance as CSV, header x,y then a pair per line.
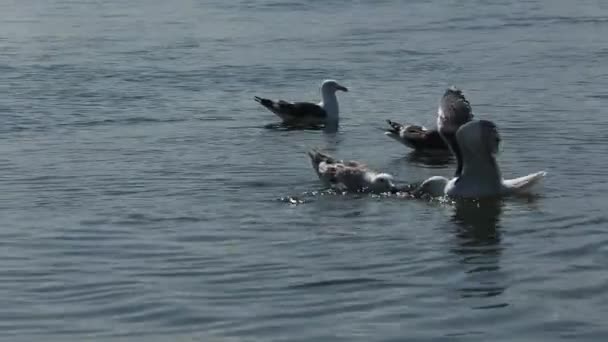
x,y
525,183
395,127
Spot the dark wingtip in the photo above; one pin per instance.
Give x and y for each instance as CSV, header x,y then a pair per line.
x,y
264,102
317,156
395,127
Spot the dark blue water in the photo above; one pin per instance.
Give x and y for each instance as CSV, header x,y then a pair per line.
x,y
142,199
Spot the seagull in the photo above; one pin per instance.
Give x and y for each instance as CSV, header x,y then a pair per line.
x,y
454,110
305,114
478,143
350,176
416,137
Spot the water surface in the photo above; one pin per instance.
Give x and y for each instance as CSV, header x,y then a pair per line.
x,y
143,199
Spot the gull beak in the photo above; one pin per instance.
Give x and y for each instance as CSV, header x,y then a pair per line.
x,y
339,87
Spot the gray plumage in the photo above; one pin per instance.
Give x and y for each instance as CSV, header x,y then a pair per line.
x,y
308,113
481,176
295,112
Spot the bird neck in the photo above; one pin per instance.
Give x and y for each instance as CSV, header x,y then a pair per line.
x,y
480,168
450,139
330,104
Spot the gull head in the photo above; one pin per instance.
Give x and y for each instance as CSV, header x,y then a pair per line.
x,y
479,136
382,182
332,86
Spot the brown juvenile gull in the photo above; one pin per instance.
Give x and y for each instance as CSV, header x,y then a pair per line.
x,y
350,176
416,137
454,110
307,113
478,143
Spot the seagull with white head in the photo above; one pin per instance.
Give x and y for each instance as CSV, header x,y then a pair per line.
x,y
477,143
307,114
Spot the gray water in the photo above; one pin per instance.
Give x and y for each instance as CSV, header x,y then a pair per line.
x,y
142,198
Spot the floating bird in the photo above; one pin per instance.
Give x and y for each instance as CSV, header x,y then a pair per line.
x,y
350,176
416,137
477,143
454,110
307,114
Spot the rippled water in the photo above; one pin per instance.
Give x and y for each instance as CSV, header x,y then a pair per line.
x,y
143,199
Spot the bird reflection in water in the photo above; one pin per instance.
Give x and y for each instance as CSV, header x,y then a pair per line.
x,y
430,158
477,237
281,126
426,159
332,139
